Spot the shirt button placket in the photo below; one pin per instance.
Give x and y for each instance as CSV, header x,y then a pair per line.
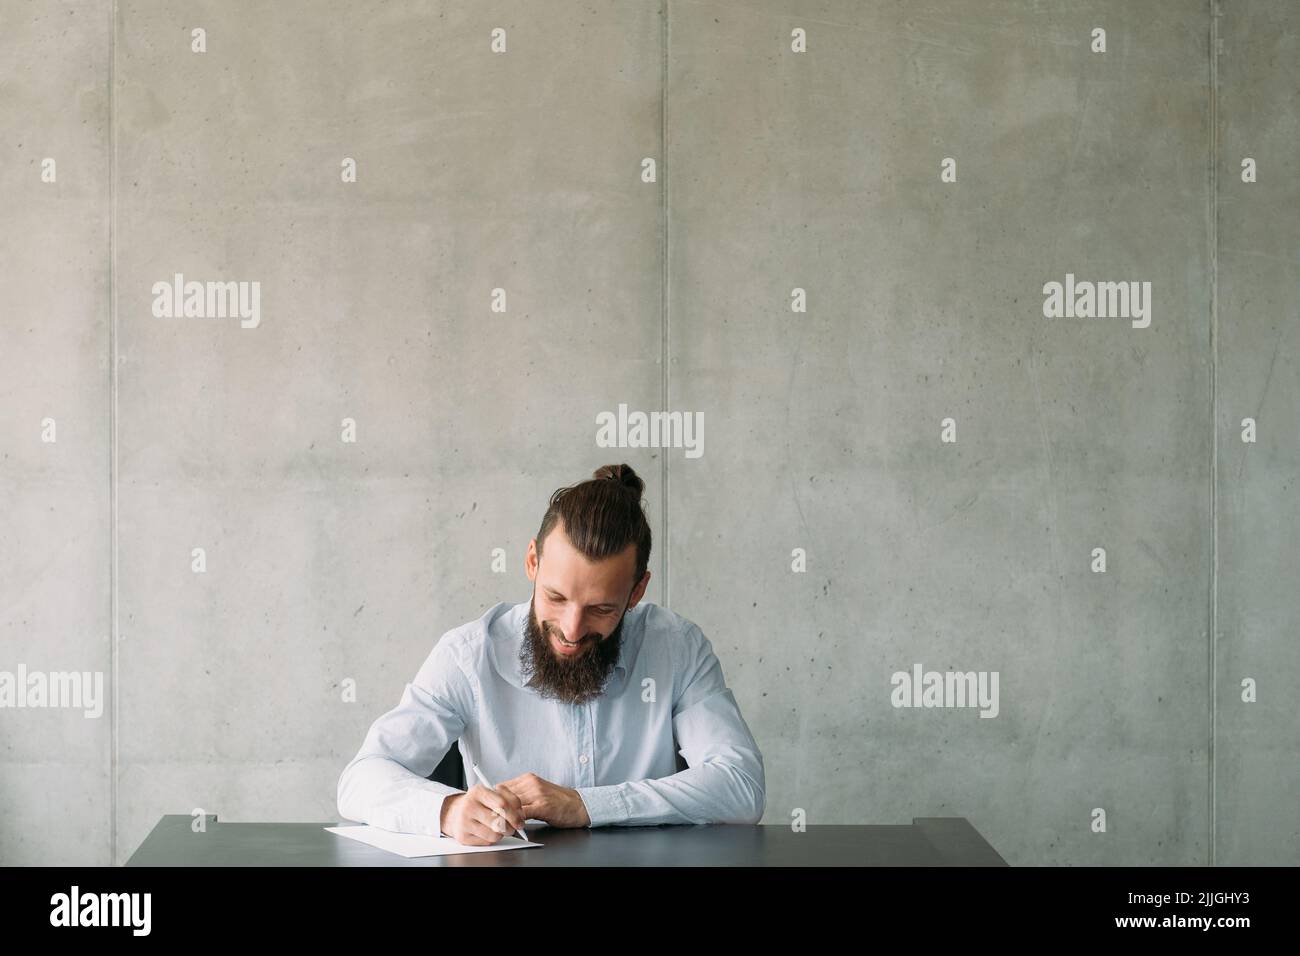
x,y
584,757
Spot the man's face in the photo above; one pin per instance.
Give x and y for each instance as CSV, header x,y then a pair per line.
x,y
574,674
575,621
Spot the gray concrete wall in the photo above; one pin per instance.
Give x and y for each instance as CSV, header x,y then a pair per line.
x,y
828,537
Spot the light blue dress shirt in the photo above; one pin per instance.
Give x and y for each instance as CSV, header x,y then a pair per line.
x,y
616,750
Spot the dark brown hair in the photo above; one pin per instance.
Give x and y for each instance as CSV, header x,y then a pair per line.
x,y
602,516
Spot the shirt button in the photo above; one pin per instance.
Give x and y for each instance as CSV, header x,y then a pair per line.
x,y
582,758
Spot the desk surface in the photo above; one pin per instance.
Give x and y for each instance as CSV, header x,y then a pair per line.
x,y
928,841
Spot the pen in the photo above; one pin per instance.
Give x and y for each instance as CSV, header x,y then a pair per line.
x,y
484,780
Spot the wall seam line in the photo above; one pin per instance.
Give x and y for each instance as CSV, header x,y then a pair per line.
x,y
112,431
664,346
1214,420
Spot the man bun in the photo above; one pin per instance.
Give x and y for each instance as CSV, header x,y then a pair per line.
x,y
624,475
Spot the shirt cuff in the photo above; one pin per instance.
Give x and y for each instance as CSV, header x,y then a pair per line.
x,y
605,805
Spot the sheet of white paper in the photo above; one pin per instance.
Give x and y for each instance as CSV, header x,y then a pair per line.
x,y
412,845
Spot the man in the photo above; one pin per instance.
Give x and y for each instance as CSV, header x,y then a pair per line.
x,y
569,702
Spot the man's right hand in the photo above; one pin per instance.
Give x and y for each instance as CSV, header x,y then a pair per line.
x,y
468,817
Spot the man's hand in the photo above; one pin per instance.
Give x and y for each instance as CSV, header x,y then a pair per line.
x,y
543,800
470,817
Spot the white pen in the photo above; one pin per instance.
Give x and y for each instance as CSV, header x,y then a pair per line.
x,y
484,780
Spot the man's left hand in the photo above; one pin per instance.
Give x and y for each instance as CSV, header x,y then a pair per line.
x,y
543,800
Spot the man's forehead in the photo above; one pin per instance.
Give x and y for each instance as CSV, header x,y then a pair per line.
x,y
575,587
571,573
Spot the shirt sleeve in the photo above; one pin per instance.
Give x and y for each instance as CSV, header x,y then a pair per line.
x,y
724,782
385,784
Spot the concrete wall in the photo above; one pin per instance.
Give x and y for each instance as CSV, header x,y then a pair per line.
x,y
328,560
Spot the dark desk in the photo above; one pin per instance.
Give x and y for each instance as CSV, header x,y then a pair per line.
x,y
928,841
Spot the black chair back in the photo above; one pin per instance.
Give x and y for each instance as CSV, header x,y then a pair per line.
x,y
451,770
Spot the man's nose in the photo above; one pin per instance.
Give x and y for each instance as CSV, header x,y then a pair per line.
x,y
571,624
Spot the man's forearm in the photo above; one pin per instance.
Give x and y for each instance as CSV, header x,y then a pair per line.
x,y
383,793
709,793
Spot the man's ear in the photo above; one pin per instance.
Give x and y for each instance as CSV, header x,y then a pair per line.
x,y
530,561
638,592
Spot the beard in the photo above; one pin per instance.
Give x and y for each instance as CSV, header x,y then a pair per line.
x,y
576,679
